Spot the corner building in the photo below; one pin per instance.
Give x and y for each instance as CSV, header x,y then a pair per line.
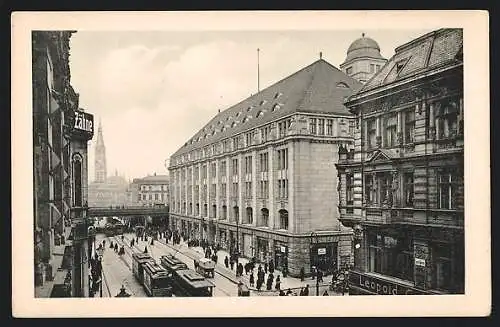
x,y
401,185
260,178
61,131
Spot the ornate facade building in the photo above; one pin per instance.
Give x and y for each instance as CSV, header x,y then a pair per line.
x,y
363,59
260,177
106,190
401,185
60,133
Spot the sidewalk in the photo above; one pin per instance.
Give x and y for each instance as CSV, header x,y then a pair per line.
x,y
286,282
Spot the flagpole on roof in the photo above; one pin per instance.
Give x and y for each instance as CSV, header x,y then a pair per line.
x,y
258,71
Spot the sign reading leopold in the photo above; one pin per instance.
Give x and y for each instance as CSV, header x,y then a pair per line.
x,y
82,124
375,285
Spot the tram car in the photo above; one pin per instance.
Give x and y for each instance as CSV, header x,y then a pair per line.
x,y
171,263
187,282
109,230
138,261
205,267
157,280
119,229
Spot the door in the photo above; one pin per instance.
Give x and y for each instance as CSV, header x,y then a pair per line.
x,y
247,245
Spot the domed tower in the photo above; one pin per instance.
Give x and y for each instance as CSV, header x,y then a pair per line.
x,y
363,59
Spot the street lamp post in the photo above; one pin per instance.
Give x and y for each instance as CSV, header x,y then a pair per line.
x,y
314,236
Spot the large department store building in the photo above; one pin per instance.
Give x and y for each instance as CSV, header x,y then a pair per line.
x,y
260,177
401,184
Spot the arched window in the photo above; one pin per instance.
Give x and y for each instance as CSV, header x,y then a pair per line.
x,y
236,213
342,85
224,213
77,180
283,219
276,107
214,211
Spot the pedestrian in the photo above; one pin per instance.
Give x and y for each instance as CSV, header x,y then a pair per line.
x,y
325,293
111,246
123,237
278,283
265,267
269,284
289,292
302,274
116,247
104,243
320,276
259,284
152,241
306,290
271,266
285,271
313,272
145,249
226,262
251,280
232,265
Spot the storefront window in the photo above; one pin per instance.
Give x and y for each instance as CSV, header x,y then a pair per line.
x,y
391,255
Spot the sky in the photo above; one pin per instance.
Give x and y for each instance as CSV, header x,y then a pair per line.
x,y
153,90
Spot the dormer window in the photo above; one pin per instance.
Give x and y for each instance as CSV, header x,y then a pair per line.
x,y
245,119
342,85
249,108
233,124
263,102
260,113
277,95
400,65
276,107
238,113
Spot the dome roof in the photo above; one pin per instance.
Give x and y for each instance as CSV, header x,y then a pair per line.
x,y
363,47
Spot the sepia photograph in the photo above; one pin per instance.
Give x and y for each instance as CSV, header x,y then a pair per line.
x,y
223,161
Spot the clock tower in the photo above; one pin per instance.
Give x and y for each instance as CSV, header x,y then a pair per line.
x,y
100,157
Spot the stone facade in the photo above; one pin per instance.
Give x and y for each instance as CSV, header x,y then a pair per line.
x,y
401,184
60,133
270,190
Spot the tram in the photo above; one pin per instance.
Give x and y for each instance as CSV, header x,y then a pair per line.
x,y
171,263
187,282
157,281
205,267
109,230
138,260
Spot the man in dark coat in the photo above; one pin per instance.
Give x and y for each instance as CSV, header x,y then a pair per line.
x,y
226,262
271,266
270,280
306,290
302,274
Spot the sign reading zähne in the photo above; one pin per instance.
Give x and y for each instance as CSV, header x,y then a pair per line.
x,y
82,124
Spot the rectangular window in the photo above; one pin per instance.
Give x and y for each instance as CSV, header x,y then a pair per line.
x,y
371,129
321,126
329,127
248,165
264,163
409,126
264,189
447,119
385,186
408,189
213,191
223,190
447,189
312,125
264,133
151,197
349,189
372,68
235,167
369,190
391,126
225,146
214,169
282,159
223,168
156,196
391,255
248,189
235,189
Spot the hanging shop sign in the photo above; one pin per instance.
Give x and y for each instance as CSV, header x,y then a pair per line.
x,y
282,249
81,124
321,251
419,262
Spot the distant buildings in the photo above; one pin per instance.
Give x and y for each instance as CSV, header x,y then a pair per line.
x,y
401,185
60,133
150,190
260,177
106,190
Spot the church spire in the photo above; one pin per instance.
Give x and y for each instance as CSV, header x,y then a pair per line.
x,y
100,157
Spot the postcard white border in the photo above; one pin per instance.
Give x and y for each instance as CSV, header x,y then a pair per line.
x,y
477,300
